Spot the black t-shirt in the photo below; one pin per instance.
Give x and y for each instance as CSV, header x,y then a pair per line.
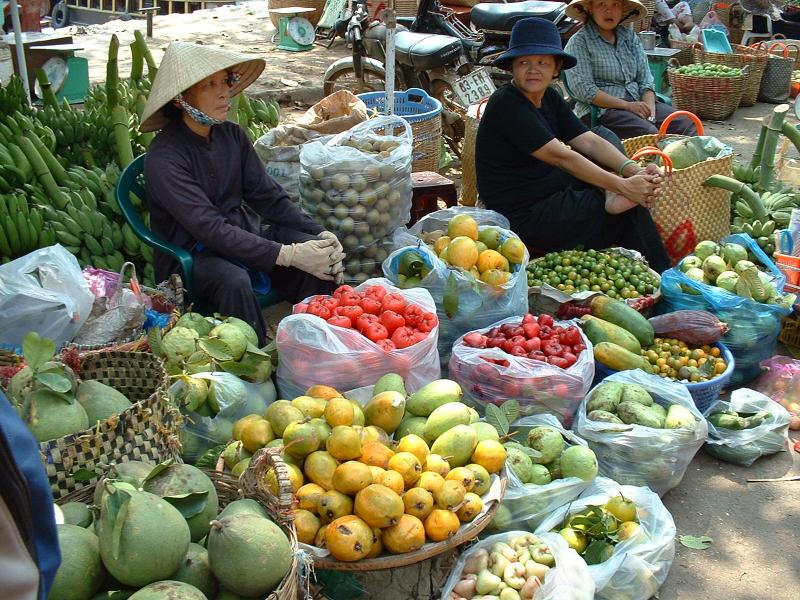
x,y
511,128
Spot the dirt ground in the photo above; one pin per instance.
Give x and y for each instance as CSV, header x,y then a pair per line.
x,y
755,553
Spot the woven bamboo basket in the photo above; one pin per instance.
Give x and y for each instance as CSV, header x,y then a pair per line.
x,y
713,98
742,56
467,532
313,18
230,489
685,56
790,332
688,212
646,23
776,83
148,430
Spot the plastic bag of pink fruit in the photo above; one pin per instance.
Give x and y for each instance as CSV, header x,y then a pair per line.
x,y
781,382
492,375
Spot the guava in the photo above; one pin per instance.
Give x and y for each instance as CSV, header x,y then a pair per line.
x,y
727,280
540,475
245,328
713,266
580,462
196,321
695,274
742,266
233,337
547,441
705,249
733,253
179,343
690,262
519,462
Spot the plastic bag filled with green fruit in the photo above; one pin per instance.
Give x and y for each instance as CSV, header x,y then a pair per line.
x,y
475,269
643,429
746,428
754,320
537,567
536,483
626,562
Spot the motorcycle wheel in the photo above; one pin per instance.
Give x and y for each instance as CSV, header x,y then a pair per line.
x,y
346,79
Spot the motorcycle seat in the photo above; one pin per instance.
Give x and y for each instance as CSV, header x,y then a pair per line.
x,y
501,17
424,51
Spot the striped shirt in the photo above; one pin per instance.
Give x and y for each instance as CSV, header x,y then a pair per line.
x,y
616,69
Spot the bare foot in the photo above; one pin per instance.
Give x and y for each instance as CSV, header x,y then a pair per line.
x,y
616,204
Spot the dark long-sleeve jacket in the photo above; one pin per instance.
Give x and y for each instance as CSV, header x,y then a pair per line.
x,y
215,191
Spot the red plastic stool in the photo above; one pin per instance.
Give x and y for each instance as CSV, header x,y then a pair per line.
x,y
429,187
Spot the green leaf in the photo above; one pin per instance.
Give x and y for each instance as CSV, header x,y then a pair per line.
x,y
450,297
497,419
238,369
511,409
37,350
272,351
154,339
159,468
84,475
216,349
596,552
209,458
190,504
58,383
251,349
695,542
115,511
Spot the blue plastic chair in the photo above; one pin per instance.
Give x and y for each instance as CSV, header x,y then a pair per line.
x,y
132,182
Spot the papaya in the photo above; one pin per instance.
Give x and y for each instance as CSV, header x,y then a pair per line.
x,y
620,314
619,359
598,330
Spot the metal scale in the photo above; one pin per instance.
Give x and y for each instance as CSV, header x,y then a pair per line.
x,y
296,34
68,74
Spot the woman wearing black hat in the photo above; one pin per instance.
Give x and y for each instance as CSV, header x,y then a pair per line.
x,y
560,185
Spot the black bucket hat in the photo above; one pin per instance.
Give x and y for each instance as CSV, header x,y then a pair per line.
x,y
534,36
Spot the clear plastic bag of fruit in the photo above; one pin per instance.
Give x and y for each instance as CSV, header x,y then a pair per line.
x,y
526,505
225,400
568,579
754,326
541,388
768,434
639,565
358,184
311,351
637,455
463,303
781,382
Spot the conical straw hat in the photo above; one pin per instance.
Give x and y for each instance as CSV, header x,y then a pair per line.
x,y
183,65
632,11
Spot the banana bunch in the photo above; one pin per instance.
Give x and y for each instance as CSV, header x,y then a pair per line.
x,y
22,228
762,232
81,137
256,116
778,204
13,97
746,173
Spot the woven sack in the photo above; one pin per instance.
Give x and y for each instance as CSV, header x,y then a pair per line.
x,y
742,56
776,83
687,212
469,179
148,430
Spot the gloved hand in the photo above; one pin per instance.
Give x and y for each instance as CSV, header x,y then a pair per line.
x,y
337,270
327,235
315,257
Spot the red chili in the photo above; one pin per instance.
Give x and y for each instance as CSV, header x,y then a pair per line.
x,y
340,321
403,337
391,320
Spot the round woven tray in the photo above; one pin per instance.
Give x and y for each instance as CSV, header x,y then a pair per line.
x,y
467,532
230,489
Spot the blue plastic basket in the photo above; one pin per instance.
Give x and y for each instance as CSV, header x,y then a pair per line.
x,y
423,113
704,393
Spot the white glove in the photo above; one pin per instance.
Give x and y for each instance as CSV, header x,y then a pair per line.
x,y
314,257
327,235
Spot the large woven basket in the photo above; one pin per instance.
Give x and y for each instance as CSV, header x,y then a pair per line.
x,y
688,212
685,56
230,489
148,430
776,83
646,23
312,17
742,56
779,37
469,179
714,98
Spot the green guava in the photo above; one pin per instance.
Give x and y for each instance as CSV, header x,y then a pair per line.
x,y
580,462
179,343
233,338
196,321
547,441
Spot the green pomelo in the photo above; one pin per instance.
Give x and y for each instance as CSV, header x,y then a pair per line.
x,y
199,507
169,590
20,384
101,401
196,321
196,571
49,416
244,506
228,595
249,555
235,452
132,472
114,595
143,538
77,513
81,572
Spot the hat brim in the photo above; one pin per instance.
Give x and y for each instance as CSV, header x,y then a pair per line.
x,y
248,71
504,60
635,11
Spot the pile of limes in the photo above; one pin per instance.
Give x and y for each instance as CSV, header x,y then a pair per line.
x,y
674,359
709,70
612,273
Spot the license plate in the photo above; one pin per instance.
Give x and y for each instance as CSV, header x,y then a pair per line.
x,y
474,87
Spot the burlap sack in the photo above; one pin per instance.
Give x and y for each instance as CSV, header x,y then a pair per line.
x,y
335,113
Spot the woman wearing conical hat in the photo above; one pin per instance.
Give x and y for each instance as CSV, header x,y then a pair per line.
x,y
209,193
612,71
